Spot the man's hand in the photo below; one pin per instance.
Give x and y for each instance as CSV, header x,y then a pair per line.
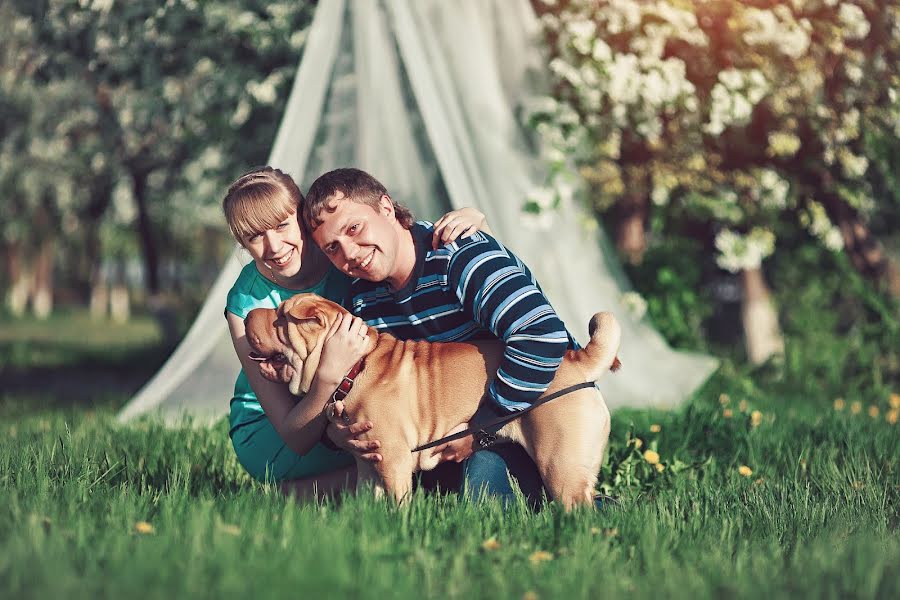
x,y
345,435
457,450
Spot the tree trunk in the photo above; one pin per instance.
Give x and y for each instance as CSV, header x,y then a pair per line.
x,y
19,279
631,240
99,291
145,230
42,292
865,251
762,334
119,298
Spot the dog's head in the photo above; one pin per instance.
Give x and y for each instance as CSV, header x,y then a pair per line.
x,y
287,342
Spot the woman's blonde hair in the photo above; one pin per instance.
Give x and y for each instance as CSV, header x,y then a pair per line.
x,y
259,200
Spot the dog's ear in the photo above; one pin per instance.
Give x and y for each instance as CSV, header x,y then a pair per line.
x,y
307,311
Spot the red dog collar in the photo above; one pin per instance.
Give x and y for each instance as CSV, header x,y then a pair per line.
x,y
347,384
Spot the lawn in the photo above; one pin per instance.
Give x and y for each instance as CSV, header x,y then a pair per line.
x,y
750,490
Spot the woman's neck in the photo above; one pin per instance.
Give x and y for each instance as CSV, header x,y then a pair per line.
x,y
313,267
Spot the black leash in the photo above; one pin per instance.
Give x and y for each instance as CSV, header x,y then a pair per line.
x,y
485,439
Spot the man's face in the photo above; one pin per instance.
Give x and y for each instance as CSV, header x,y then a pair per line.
x,y
360,240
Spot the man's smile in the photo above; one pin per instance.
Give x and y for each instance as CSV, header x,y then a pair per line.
x,y
364,263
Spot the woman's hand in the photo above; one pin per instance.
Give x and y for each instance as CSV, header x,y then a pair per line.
x,y
345,344
458,223
345,435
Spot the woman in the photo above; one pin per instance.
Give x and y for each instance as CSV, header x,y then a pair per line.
x,y
277,438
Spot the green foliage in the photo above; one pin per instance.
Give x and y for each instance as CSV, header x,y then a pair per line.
x,y
841,334
669,278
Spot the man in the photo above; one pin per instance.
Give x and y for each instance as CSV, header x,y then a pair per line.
x,y
469,289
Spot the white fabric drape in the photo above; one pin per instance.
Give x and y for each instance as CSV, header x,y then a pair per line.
x,y
424,95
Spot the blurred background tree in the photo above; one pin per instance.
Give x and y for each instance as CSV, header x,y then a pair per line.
x,y
741,124
122,123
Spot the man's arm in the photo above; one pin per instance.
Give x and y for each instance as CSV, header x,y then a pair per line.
x,y
498,293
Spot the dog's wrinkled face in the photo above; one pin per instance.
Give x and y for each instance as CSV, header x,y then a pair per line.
x,y
262,326
287,342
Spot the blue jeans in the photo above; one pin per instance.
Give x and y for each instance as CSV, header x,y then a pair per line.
x,y
487,473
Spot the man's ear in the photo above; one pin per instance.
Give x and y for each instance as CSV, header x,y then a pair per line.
x,y
307,311
386,206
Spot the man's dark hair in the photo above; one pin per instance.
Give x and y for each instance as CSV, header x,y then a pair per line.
x,y
356,186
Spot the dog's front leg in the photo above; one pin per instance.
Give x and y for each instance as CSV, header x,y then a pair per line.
x,y
396,470
367,476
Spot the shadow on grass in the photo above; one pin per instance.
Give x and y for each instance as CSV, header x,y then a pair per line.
x,y
38,375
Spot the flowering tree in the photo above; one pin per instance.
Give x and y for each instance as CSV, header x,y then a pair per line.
x,y
746,117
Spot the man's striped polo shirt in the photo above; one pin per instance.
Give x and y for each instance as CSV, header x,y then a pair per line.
x,y
473,288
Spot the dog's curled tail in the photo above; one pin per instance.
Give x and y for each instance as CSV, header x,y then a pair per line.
x,y
602,350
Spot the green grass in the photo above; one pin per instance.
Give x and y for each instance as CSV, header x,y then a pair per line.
x,y
818,516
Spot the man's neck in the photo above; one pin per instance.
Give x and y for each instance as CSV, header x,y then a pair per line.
x,y
405,264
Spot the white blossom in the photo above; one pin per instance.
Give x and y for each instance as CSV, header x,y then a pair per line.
x,y
739,252
634,304
853,166
853,21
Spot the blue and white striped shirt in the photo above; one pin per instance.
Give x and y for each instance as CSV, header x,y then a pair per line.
x,y
473,288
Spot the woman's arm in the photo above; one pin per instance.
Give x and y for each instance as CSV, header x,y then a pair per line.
x,y
300,422
458,223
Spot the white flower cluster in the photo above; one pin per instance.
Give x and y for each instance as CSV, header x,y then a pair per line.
x,y
266,91
733,98
739,252
816,221
777,28
634,304
853,166
772,191
783,144
854,24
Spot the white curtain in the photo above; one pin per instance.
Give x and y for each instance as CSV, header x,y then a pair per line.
x,y
424,95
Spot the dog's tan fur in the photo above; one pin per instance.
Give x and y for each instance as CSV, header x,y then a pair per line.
x,y
416,391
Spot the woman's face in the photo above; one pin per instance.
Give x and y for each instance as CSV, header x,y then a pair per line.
x,y
278,250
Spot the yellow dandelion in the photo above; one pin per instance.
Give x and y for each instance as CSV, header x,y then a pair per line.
x,y
742,406
660,467
891,416
611,532
874,412
638,442
530,595
490,544
651,457
540,556
839,404
230,529
595,530
727,413
894,401
655,428
755,418
856,407
724,399
745,470
143,527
